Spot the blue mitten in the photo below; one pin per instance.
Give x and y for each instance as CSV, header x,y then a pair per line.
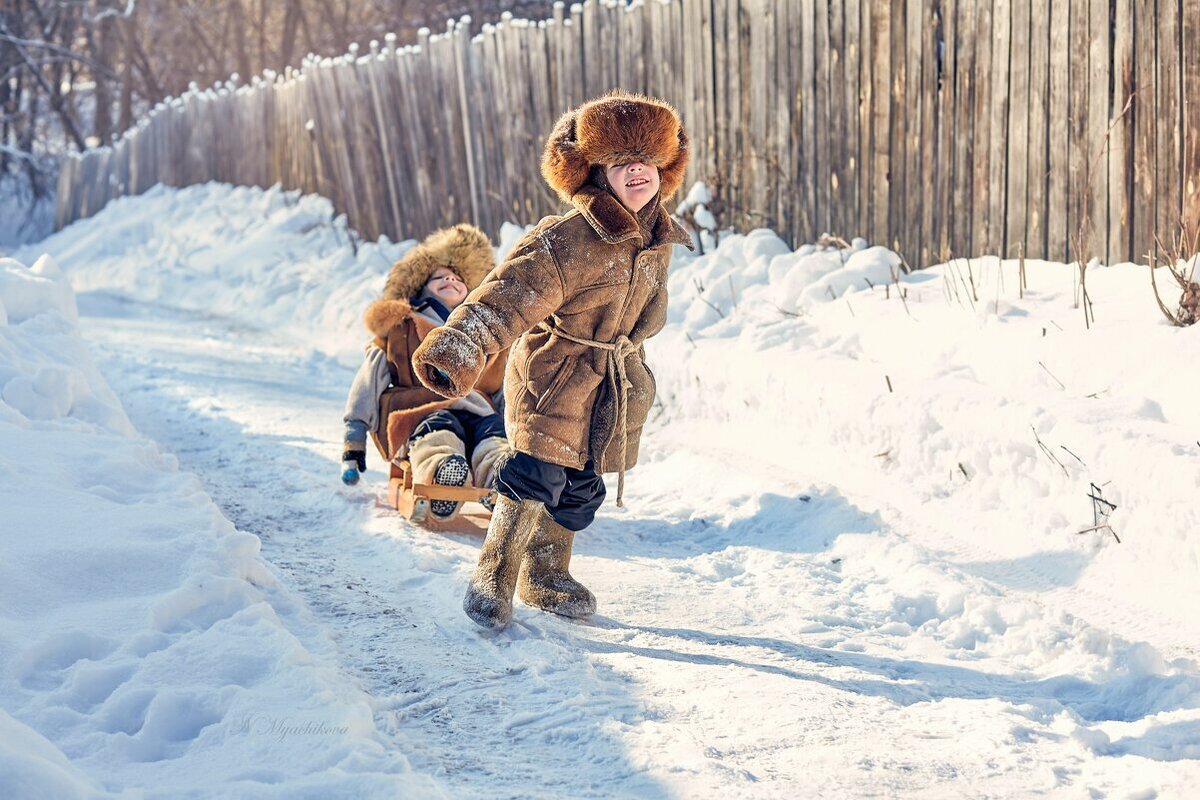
x,y
353,462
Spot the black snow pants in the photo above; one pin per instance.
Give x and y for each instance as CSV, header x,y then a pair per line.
x,y
571,496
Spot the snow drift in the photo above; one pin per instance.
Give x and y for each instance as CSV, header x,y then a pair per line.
x,y
143,638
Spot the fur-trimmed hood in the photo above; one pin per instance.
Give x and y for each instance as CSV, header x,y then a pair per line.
x,y
616,128
463,248
385,314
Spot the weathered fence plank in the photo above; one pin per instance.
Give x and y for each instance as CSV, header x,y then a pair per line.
x,y
1190,111
933,126
1167,123
1144,123
960,139
1017,162
981,190
1039,136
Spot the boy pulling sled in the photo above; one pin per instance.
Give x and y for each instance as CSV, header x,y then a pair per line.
x,y
575,299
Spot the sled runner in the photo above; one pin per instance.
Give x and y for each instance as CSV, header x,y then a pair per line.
x,y
412,499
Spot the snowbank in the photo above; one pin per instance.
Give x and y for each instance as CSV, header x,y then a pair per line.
x,y
995,406
273,259
143,638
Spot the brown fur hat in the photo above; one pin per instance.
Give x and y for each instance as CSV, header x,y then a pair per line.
x,y
616,128
463,248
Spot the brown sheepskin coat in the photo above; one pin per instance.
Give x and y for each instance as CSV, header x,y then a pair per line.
x,y
587,274
398,331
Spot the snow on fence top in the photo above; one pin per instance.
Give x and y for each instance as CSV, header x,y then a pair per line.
x,y
936,129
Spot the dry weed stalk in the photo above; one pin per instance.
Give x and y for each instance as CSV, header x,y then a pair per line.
x,y
1183,269
699,284
1079,242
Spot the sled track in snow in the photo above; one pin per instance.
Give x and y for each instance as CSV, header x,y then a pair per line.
x,y
735,639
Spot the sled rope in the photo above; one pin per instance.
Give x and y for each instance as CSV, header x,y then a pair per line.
x,y
618,351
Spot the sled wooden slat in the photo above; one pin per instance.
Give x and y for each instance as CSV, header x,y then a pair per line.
x,y
407,497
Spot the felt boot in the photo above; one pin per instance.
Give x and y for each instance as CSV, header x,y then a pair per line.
x,y
544,581
484,461
440,457
489,597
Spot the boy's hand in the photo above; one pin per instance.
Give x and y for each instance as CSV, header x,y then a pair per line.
x,y
438,381
448,362
353,462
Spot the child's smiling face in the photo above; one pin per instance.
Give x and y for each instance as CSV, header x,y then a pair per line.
x,y
634,184
446,286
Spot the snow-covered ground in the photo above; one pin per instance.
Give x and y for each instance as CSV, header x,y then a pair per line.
x,y
850,562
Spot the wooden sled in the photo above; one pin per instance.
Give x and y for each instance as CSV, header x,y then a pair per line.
x,y
412,500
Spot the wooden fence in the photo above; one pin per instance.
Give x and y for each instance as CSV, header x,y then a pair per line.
x,y
938,127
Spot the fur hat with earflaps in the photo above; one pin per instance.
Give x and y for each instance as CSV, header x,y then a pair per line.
x,y
463,248
616,128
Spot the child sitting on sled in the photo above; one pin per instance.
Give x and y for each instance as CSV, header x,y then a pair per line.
x,y
576,298
448,442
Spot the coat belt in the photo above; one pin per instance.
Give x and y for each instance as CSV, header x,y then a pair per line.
x,y
618,351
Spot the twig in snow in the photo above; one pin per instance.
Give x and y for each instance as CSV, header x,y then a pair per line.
x,y
691,341
888,452
1048,453
850,307
1101,527
700,293
831,240
900,291
1101,508
889,383
999,288
1077,458
1100,500
1051,374
782,310
1080,241
963,470
1021,256
970,293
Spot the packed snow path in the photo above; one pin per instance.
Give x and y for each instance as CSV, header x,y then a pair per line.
x,y
820,586
758,626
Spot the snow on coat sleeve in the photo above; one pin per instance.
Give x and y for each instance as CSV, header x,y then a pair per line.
x,y
372,378
526,289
